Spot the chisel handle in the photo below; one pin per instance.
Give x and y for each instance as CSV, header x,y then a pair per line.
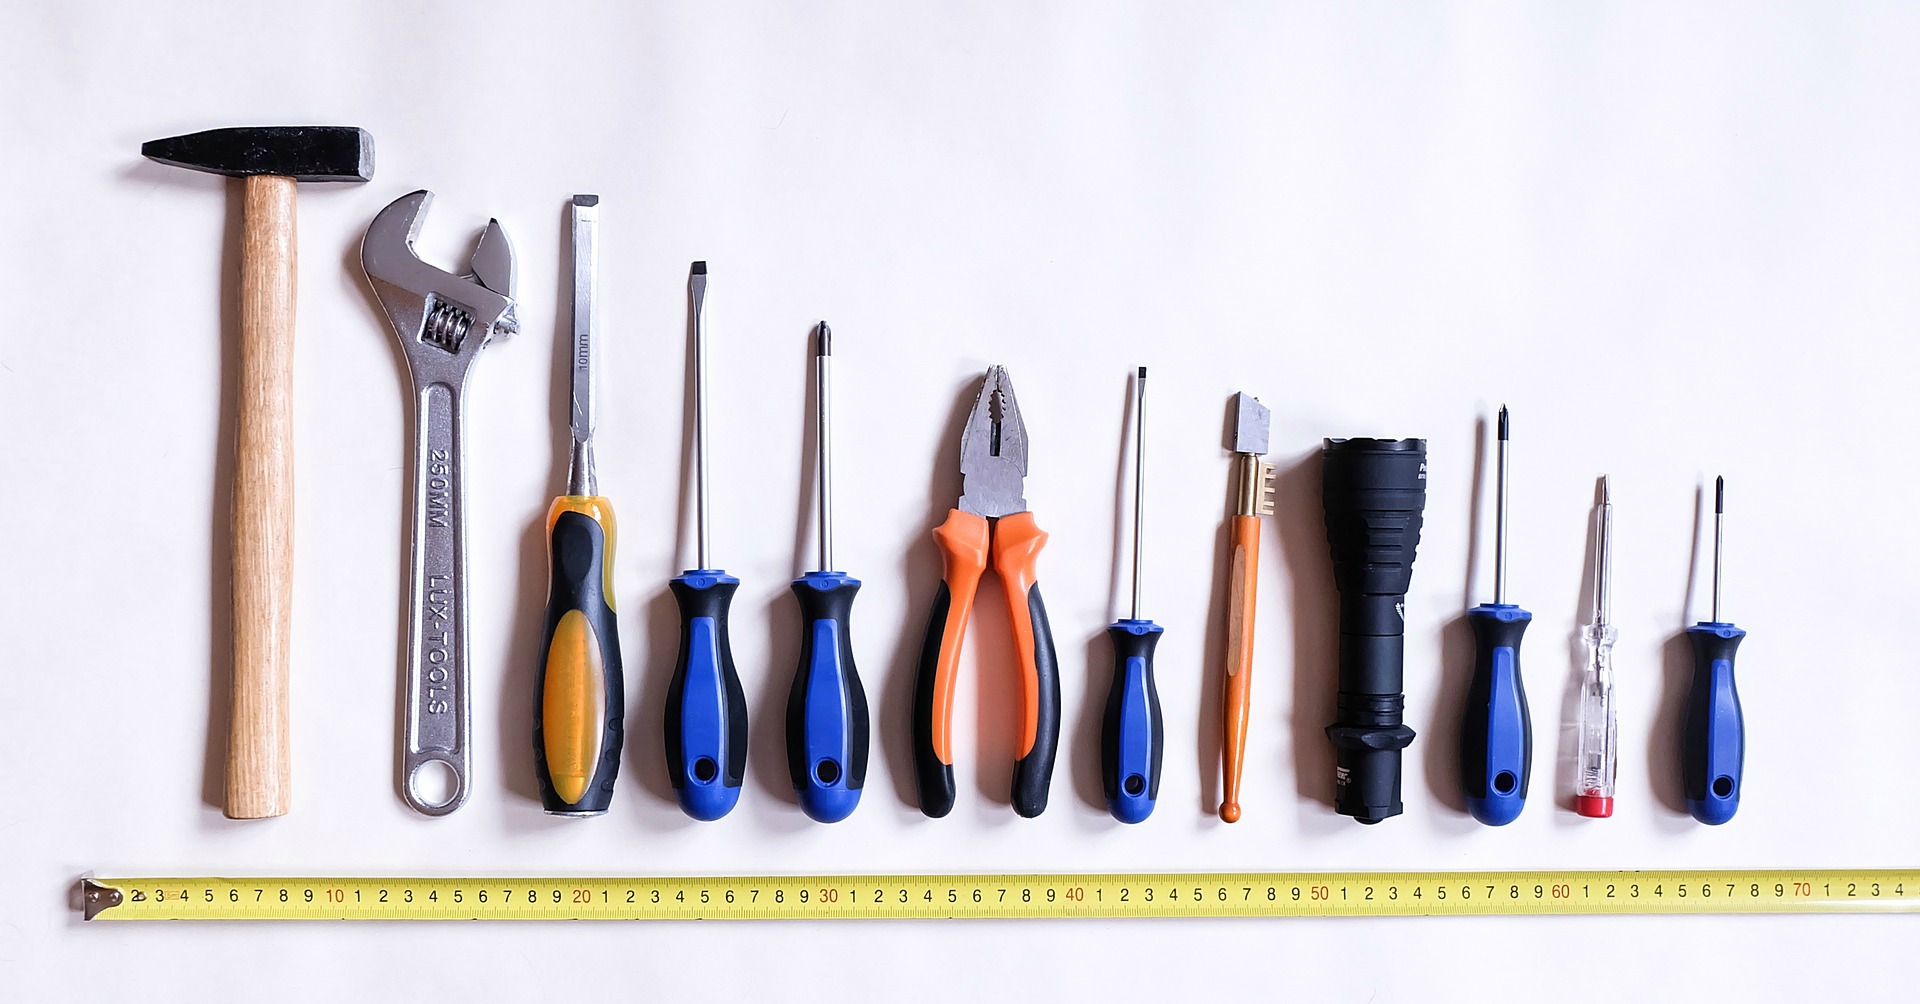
x,y
579,696
259,778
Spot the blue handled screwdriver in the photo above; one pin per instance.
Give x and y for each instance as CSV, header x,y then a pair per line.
x,y
1496,741
827,708
1713,738
706,728
1131,735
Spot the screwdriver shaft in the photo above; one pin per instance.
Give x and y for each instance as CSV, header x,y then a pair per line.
x,y
697,284
1139,479
1500,516
1719,520
823,391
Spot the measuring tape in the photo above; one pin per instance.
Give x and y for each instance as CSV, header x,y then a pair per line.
x,y
923,897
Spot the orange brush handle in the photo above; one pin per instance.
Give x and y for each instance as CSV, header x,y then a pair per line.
x,y
1244,570
963,541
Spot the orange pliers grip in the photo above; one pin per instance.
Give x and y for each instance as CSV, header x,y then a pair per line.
x,y
963,539
1015,542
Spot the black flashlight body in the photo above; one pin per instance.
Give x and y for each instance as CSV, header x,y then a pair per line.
x,y
1374,491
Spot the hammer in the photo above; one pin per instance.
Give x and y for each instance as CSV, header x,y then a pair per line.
x,y
271,159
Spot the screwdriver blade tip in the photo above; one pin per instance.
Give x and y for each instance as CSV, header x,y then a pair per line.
x,y
586,201
699,268
1143,372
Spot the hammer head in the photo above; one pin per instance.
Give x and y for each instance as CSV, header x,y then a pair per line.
x,y
303,153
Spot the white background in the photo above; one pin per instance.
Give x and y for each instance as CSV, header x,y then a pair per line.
x,y
1679,239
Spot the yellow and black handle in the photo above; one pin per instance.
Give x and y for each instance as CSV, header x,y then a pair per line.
x,y
579,700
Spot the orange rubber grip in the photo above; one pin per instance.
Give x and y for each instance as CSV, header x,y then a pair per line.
x,y
963,541
1243,572
1017,541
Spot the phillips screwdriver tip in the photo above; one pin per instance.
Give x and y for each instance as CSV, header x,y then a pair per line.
x,y
699,268
1719,496
823,345
1503,421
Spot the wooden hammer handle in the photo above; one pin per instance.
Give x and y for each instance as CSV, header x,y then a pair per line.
x,y
258,774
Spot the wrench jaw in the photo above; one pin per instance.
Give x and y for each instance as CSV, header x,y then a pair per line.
x,y
442,320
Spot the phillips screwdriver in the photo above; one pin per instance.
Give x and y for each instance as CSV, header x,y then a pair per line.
x,y
579,702
706,728
1599,758
1713,737
827,708
1131,734
1496,741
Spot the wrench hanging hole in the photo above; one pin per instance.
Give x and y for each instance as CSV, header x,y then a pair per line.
x,y
434,783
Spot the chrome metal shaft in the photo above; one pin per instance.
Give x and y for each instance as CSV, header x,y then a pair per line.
x,y
823,440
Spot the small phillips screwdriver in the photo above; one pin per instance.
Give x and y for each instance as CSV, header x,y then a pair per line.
x,y
706,728
827,728
1599,760
1713,736
1496,741
579,702
1132,738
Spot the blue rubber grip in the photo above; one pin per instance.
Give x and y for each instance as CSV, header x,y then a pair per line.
x,y
706,726
1713,736
827,728
1496,739
1132,736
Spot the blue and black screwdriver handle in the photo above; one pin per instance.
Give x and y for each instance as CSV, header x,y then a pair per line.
x,y
1713,740
1496,738
827,727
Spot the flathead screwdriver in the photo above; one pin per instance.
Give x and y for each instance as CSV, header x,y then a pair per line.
x,y
579,701
1713,735
1496,740
1132,738
1599,756
706,727
827,728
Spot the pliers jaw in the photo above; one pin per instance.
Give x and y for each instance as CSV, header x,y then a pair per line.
x,y
435,313
993,451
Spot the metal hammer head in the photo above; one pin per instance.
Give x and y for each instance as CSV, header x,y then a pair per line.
x,y
303,153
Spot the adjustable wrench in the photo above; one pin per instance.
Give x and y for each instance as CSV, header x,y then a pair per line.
x,y
442,321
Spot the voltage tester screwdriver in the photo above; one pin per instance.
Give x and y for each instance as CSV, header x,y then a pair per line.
x,y
827,727
1131,735
579,702
1599,756
1713,736
706,728
1496,740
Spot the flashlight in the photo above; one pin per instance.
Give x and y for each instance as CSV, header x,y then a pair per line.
x,y
1374,491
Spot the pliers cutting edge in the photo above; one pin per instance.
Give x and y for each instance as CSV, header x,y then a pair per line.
x,y
991,518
